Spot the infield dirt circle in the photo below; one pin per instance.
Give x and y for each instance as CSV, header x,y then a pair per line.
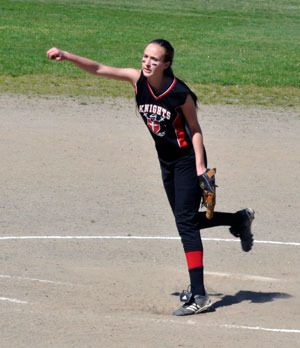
x,y
87,168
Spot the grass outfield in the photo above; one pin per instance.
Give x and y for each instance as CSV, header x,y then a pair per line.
x,y
238,52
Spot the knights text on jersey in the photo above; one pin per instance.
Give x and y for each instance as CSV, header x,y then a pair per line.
x,y
164,118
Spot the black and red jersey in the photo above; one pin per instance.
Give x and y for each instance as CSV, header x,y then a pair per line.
x,y
163,117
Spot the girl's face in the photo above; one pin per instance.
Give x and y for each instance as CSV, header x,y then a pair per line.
x,y
153,64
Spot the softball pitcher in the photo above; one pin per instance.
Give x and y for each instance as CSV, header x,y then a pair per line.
x,y
169,110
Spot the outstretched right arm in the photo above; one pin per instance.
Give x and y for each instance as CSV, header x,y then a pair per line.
x,y
125,74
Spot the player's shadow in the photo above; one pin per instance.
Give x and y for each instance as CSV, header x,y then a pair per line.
x,y
245,295
252,296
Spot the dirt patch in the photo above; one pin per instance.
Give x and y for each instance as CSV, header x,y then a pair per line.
x,y
84,167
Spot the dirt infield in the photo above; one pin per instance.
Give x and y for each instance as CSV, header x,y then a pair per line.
x,y
87,168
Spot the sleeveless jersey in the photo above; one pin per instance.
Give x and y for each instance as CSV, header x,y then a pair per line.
x,y
164,118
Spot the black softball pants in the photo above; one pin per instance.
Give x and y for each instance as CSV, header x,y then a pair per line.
x,y
184,194
183,191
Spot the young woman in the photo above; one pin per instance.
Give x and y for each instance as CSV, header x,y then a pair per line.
x,y
169,109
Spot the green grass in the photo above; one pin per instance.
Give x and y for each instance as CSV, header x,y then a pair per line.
x,y
238,52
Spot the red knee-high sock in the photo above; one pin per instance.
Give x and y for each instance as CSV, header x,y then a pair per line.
x,y
194,261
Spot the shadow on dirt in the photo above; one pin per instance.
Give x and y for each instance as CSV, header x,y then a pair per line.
x,y
252,296
244,295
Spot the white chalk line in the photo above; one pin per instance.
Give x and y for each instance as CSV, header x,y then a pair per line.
x,y
18,278
228,326
242,276
12,300
258,328
237,276
143,238
7,276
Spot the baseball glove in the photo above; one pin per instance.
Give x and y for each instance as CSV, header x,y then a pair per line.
x,y
208,186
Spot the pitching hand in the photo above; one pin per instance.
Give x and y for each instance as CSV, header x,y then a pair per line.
x,y
55,54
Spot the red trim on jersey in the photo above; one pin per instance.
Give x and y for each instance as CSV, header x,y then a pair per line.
x,y
179,130
194,259
163,94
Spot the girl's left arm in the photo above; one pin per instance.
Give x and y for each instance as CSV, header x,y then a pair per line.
x,y
190,114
